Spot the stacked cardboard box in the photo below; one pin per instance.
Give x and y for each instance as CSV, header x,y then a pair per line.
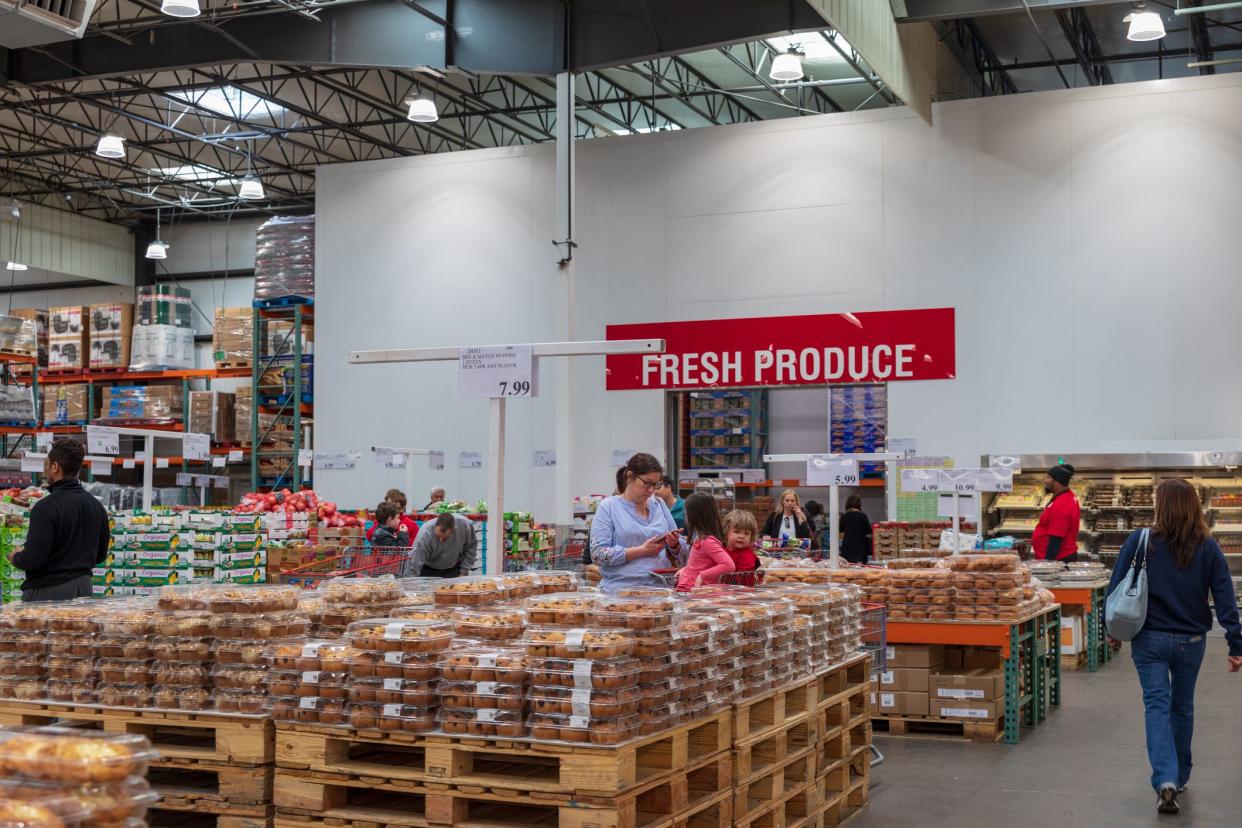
x,y
69,338
66,404
111,327
161,348
976,690
162,403
903,685
212,412
232,336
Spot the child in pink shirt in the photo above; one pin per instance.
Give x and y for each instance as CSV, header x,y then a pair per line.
x,y
708,559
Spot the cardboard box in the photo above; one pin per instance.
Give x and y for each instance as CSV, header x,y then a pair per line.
x,y
967,708
981,658
212,412
64,404
71,320
134,402
914,655
1071,635
232,336
968,684
905,679
111,327
900,703
954,658
39,316
161,347
67,353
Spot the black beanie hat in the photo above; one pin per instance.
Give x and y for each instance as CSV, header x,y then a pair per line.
x,y
1061,473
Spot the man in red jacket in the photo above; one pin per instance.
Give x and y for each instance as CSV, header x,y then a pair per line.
x,y
1056,534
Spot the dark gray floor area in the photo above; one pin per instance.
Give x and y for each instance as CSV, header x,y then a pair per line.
x,y
1086,766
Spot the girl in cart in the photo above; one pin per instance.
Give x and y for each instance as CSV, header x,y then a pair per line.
x,y
708,559
740,530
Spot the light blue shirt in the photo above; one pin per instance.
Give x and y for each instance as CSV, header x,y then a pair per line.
x,y
616,527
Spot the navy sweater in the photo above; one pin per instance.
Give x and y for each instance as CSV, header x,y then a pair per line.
x,y
1177,599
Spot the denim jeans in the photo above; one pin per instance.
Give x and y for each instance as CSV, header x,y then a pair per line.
x,y
1168,667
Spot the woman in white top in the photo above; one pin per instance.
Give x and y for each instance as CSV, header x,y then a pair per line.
x,y
788,521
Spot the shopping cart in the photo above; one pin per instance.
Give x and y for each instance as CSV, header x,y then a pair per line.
x,y
568,557
874,639
351,562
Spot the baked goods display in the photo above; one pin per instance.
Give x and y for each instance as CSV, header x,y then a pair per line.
x,y
356,591
470,591
566,727
387,635
507,665
578,642
636,613
494,623
72,755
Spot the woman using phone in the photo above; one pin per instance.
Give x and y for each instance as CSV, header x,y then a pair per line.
x,y
788,521
633,532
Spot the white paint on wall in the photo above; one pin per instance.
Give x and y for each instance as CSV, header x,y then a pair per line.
x,y
1086,238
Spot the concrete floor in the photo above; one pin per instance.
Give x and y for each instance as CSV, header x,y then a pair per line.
x,y
1085,766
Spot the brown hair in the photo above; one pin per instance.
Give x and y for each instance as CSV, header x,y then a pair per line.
x,y
398,497
640,463
385,512
703,518
743,521
1179,519
853,502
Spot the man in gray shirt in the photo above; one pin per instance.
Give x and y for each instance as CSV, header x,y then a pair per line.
x,y
445,549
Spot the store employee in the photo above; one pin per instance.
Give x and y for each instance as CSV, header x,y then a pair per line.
x,y
1056,535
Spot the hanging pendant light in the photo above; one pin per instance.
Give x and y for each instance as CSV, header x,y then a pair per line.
x,y
787,67
1144,25
157,249
16,266
110,146
423,111
251,189
180,8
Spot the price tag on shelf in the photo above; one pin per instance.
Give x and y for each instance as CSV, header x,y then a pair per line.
x,y
496,371
470,460
961,481
33,462
435,461
220,482
831,470
1006,462
128,463
306,458
544,458
236,455
161,462
196,446
334,460
100,466
185,479
920,480
202,480
103,440
218,462
994,480
903,445
140,455
43,440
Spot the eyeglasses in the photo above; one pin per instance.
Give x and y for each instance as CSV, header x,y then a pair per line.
x,y
649,484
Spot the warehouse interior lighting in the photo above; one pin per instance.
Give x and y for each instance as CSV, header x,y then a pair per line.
x,y
180,8
16,266
157,250
1144,25
423,111
251,189
787,67
110,146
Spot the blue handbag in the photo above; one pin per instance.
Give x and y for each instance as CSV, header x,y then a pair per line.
x,y
1125,609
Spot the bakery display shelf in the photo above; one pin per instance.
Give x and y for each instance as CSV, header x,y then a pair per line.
x,y
1031,651
202,736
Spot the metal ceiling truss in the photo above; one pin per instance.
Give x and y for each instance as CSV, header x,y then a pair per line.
x,y
976,56
1200,39
753,56
1076,27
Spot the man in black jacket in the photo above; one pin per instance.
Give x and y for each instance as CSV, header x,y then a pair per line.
x,y
68,533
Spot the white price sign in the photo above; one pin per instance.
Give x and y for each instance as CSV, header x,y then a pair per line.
x,y
129,463
390,459
435,461
161,462
920,480
196,446
100,466
903,445
218,462
184,479
32,462
495,371
994,480
102,440
236,455
43,440
306,458
1006,462
544,458
334,460
831,470
470,460
961,481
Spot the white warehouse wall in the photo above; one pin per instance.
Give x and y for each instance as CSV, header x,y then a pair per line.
x,y
1087,239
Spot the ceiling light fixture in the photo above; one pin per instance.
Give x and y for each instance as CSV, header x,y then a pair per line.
x,y
110,146
787,67
251,189
157,249
16,266
1144,25
423,111
180,8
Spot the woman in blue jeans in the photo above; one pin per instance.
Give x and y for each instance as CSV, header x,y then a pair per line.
x,y
1184,565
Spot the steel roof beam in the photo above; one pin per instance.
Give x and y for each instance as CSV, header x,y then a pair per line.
x,y
976,56
1076,27
1199,37
912,11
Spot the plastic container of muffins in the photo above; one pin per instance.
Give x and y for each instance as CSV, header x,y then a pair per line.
x,y
507,665
72,755
636,613
334,685
652,642
589,730
586,673
490,623
595,703
470,591
182,597
26,803
60,667
388,635
182,649
394,691
421,612
260,626
180,674
552,580
25,689
108,645
80,645
238,676
183,624
170,697
658,719
578,642
561,608
310,710
75,692
123,695
654,668
123,670
338,617
23,642
246,702
482,694
384,589
252,600
492,722
327,656
986,562
391,718
415,666
76,616
239,652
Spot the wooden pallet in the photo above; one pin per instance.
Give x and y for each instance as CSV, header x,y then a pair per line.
x,y
186,785
514,764
754,757
203,737
851,676
771,711
677,799
762,793
233,364
160,817
796,808
989,730
846,804
859,730
1077,661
